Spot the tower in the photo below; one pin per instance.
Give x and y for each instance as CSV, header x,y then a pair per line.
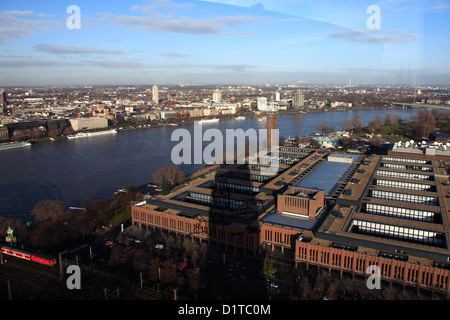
x,y
298,100
271,125
217,96
155,94
2,98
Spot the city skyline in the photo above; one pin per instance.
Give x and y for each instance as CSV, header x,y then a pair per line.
x,y
224,42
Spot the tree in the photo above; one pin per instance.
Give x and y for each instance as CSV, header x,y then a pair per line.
x,y
171,174
373,126
346,125
48,210
424,123
356,122
375,141
194,278
314,144
388,119
268,269
304,289
168,272
164,186
324,128
397,118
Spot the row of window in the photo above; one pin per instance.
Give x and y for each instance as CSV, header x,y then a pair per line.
x,y
276,160
277,237
293,149
419,161
257,167
404,175
405,167
235,187
201,198
404,197
195,228
403,185
397,232
166,222
402,272
397,212
249,177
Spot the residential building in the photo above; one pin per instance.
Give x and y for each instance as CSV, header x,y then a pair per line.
x,y
217,96
298,100
155,94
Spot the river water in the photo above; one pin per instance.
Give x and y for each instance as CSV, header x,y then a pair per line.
x,y
94,168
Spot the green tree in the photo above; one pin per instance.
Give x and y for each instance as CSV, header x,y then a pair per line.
x,y
268,269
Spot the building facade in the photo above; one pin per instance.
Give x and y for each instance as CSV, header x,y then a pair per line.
x,y
298,100
155,94
88,123
391,212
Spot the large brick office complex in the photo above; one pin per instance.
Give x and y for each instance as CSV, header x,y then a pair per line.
x,y
337,211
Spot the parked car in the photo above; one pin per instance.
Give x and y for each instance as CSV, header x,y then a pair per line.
x,y
184,265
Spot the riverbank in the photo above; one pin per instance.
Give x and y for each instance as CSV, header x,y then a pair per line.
x,y
180,122
96,168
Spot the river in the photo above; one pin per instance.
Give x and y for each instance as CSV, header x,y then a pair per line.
x,y
94,168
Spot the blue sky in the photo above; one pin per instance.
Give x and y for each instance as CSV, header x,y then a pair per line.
x,y
251,42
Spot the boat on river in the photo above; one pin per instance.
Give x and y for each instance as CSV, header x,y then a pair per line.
x,y
91,134
209,120
14,145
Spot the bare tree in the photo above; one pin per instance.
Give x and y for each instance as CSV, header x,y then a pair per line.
x,y
346,125
388,119
171,173
397,118
424,123
48,210
324,128
373,126
356,122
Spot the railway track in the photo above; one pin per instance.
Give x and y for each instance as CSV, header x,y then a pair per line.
x,y
32,281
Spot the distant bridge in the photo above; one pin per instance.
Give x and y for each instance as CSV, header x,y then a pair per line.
x,y
420,105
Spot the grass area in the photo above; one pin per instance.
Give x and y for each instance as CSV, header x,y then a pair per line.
x,y
120,216
404,129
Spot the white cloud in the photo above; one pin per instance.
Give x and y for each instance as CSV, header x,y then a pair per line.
x,y
159,23
17,13
73,50
172,55
15,25
374,36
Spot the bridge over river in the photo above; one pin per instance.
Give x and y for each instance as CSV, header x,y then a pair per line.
x,y
420,105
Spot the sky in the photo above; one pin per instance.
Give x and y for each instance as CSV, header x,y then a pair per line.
x,y
224,42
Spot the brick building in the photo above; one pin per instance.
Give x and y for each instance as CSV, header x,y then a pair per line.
x,y
334,211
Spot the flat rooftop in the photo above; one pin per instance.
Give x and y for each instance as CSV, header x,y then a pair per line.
x,y
291,221
328,175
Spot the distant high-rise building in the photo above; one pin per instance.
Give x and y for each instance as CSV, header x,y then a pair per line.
x,y
262,104
217,96
277,96
2,98
298,100
155,94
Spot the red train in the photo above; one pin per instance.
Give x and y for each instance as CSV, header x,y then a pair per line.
x,y
23,254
